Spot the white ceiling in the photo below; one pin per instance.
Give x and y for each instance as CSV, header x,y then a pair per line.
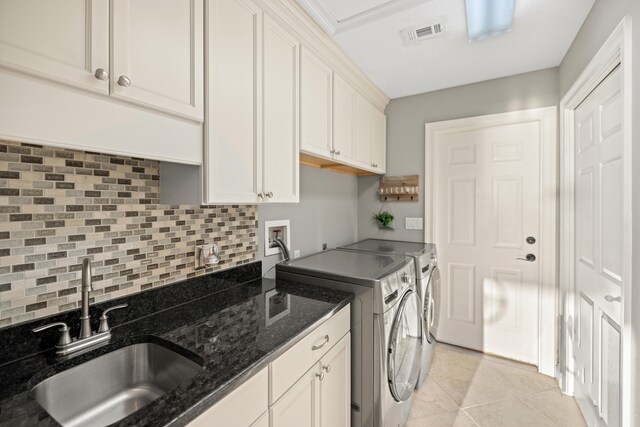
x,y
370,33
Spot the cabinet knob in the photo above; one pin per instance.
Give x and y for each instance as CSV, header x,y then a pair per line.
x,y
333,151
270,194
327,368
124,81
261,194
320,375
338,153
101,74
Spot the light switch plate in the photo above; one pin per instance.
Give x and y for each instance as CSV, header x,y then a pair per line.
x,y
411,223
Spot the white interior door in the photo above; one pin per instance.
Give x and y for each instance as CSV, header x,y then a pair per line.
x,y
65,41
487,227
599,185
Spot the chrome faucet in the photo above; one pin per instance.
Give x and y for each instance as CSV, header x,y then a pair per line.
x,y
278,242
87,338
87,285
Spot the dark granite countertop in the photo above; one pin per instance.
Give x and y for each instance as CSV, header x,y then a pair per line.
x,y
233,333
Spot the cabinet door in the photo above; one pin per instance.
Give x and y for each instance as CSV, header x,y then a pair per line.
x,y
363,132
335,387
300,405
233,149
157,54
66,41
344,119
280,114
378,140
315,105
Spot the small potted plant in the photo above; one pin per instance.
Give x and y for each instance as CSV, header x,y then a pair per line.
x,y
384,220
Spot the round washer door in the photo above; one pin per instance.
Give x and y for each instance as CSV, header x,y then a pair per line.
x,y
432,311
405,348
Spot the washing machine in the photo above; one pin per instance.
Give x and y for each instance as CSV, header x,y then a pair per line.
x,y
428,286
386,327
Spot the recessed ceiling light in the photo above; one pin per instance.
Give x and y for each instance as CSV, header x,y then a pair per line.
x,y
488,18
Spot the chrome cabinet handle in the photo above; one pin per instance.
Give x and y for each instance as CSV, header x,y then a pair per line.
x,y
104,323
528,257
124,81
333,151
101,74
611,298
261,194
65,336
318,347
327,368
270,194
320,376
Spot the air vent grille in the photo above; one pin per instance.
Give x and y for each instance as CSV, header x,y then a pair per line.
x,y
423,32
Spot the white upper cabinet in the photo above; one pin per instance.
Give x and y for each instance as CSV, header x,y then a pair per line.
x,y
363,132
252,129
66,41
371,129
148,52
280,78
233,146
157,54
344,114
315,105
378,140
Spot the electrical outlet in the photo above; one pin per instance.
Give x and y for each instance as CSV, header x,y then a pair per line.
x,y
413,223
296,253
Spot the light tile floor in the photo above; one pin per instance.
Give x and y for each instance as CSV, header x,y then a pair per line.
x,y
466,388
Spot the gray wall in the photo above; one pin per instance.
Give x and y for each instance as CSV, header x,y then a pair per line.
x,y
602,20
406,118
327,213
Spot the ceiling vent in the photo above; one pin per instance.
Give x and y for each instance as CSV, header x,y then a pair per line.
x,y
423,32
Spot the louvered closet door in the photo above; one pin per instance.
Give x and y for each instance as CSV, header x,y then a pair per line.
x,y
599,181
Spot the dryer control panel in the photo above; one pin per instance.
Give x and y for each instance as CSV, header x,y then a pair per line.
x,y
395,285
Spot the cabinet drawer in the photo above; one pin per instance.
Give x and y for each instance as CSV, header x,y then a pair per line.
x,y
289,367
241,408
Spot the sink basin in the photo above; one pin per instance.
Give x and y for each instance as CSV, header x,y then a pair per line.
x,y
110,387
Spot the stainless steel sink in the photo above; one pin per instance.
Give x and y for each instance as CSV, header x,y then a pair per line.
x,y
110,387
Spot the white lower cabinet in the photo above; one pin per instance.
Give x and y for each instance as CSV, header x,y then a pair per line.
x,y
245,406
322,397
300,406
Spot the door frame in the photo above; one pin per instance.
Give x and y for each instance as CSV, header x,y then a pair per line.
x,y
547,117
615,51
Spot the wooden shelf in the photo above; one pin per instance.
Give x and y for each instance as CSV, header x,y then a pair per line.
x,y
322,163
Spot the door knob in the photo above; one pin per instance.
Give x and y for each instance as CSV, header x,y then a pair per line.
x,y
102,74
611,298
531,240
320,376
529,257
124,81
338,153
327,368
270,194
261,194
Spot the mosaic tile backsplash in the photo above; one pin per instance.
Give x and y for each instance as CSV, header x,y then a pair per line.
x,y
58,206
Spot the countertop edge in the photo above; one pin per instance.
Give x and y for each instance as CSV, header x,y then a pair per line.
x,y
224,390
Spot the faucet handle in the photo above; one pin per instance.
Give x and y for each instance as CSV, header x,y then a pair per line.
x,y
65,336
104,324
